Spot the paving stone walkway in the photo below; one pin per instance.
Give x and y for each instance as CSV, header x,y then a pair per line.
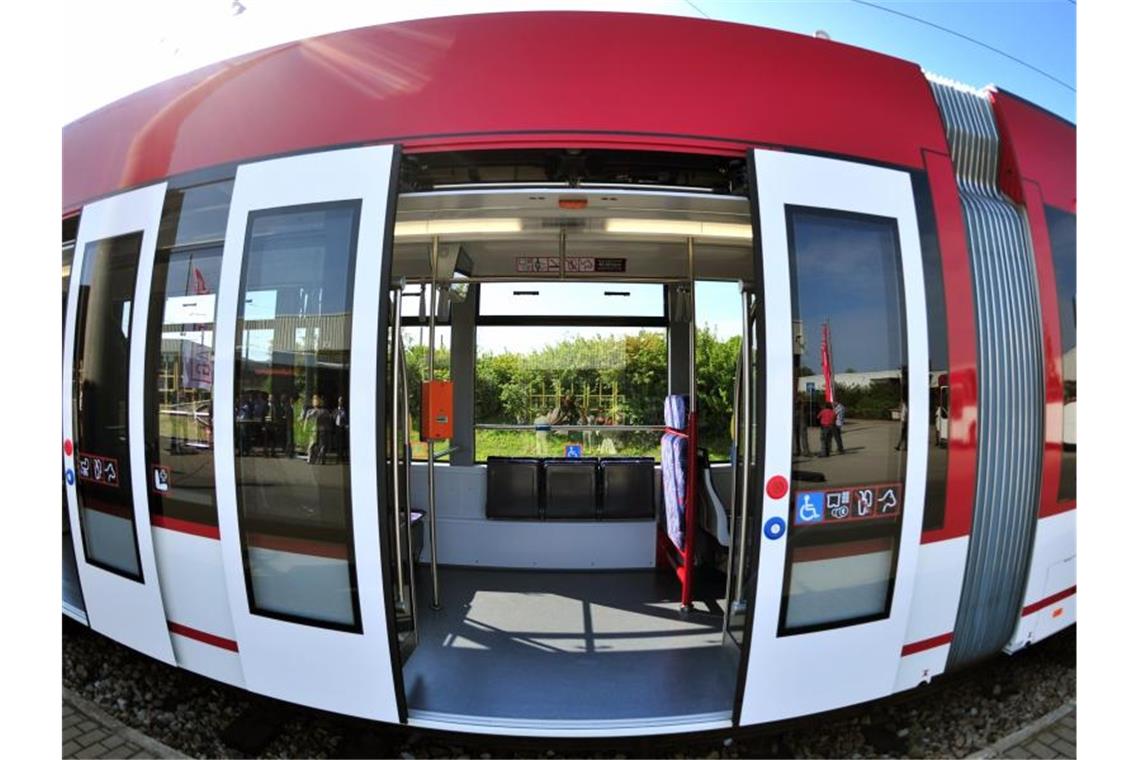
x,y
1055,735
88,731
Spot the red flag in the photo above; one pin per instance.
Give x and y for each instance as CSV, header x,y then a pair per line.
x,y
200,286
825,359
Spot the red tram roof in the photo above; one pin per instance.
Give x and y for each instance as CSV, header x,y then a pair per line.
x,y
514,79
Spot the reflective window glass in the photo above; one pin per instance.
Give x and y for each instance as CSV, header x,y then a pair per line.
x,y
292,412
195,215
1063,241
850,418
101,392
179,403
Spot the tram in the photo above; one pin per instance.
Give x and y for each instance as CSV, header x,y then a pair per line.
x,y
569,374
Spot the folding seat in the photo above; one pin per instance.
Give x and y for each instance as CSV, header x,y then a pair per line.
x,y
627,488
571,489
513,488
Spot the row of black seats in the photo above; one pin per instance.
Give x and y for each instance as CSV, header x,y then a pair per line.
x,y
522,488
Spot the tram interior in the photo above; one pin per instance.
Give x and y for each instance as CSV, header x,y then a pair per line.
x,y
563,313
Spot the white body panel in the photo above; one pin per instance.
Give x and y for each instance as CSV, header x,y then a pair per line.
x,y
125,610
468,537
933,609
806,673
348,673
193,587
1052,570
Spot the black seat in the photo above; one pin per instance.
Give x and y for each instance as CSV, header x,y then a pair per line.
x,y
627,488
513,488
571,489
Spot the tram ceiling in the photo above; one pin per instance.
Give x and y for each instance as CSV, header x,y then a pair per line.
x,y
498,231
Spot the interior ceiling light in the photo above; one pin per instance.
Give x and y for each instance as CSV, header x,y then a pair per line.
x,y
680,228
456,227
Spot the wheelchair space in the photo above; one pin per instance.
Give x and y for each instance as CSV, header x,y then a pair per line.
x,y
568,646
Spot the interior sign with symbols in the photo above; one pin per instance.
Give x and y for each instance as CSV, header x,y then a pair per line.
x,y
574,264
97,469
851,503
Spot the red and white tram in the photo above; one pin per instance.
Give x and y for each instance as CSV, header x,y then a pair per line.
x,y
386,388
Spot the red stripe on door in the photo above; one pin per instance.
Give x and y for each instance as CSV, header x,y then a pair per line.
x,y
1042,604
186,526
202,636
931,643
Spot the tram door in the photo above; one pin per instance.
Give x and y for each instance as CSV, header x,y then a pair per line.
x,y
104,461
842,476
301,330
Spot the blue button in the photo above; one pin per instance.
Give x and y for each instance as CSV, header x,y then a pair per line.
x,y
774,528
70,476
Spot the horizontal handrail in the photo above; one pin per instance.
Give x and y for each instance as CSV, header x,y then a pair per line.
x,y
617,428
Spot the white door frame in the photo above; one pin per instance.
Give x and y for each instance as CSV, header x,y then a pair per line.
x,y
800,674
123,609
342,672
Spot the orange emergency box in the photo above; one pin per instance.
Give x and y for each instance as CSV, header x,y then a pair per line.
x,y
435,411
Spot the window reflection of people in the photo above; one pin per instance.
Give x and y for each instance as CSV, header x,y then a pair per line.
x,y
319,421
840,418
340,423
245,420
800,427
287,418
902,435
274,432
826,419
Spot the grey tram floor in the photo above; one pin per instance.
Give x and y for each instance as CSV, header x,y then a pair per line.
x,y
567,646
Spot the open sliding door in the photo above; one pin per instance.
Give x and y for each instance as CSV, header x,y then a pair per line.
x,y
845,320
299,343
104,461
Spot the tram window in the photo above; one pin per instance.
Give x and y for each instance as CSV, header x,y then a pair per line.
x,y
590,378
718,349
195,215
1063,241
938,421
292,355
847,496
179,403
101,369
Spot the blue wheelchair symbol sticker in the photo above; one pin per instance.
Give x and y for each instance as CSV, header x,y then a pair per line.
x,y
572,451
809,507
774,528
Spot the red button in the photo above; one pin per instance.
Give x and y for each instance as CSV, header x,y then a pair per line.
x,y
777,487
67,447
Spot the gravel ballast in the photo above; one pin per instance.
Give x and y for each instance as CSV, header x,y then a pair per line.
x,y
203,718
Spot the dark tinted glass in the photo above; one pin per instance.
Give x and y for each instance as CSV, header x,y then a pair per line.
x,y
850,418
102,360
180,368
938,411
1063,241
195,215
291,413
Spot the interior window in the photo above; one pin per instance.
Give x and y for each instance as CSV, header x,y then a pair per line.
x,y
850,418
718,351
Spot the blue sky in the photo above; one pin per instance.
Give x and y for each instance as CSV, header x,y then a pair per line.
x,y
116,48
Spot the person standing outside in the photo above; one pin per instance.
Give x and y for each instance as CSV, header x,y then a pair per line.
x,y
902,435
826,419
340,421
840,418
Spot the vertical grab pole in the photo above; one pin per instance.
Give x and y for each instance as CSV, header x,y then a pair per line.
x,y
691,431
746,383
397,295
735,491
431,443
405,419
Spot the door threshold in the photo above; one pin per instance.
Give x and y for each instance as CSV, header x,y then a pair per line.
x,y
578,727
